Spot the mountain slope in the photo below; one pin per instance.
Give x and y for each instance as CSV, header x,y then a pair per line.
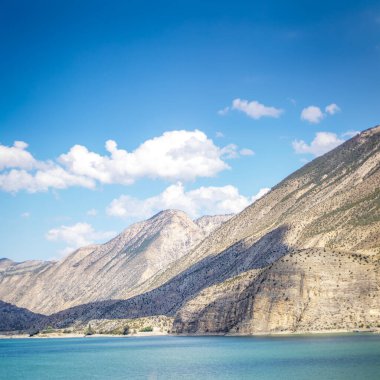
x,y
332,202
308,290
16,319
328,215
105,271
308,248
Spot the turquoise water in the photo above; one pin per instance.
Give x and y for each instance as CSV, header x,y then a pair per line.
x,y
293,357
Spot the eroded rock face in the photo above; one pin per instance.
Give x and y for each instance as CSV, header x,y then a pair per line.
x,y
108,271
309,290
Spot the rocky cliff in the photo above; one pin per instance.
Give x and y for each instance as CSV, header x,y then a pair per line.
x,y
308,290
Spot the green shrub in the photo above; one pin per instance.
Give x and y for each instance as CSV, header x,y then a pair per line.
x,y
146,329
89,330
48,330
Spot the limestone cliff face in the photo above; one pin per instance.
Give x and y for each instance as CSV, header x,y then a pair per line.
x,y
309,290
108,271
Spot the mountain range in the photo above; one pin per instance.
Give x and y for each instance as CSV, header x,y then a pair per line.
x,y
305,257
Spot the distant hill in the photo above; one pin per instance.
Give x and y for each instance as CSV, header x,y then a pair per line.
x,y
13,318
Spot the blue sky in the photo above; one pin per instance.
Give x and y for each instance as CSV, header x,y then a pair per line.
x,y
203,104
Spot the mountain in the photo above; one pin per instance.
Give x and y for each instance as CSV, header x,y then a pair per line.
x,y
305,257
107,271
14,318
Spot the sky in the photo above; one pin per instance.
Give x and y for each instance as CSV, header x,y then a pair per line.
x,y
111,111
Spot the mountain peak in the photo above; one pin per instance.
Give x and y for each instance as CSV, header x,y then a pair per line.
x,y
168,213
106,271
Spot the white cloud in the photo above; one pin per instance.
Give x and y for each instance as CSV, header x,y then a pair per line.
x,y
246,152
223,111
175,155
16,156
77,235
312,114
254,109
92,212
230,151
350,134
41,180
322,143
202,201
25,214
260,194
332,109
219,134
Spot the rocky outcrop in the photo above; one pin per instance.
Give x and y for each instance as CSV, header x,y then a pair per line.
x,y
308,290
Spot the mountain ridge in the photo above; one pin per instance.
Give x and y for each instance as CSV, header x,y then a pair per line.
x,y
110,270
305,257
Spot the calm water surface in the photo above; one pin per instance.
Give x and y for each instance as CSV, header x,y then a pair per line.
x,y
294,357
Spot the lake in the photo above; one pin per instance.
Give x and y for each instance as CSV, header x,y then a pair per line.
x,y
350,356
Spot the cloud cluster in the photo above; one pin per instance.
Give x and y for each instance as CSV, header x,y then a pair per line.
x,y
202,201
246,152
253,109
314,114
16,156
176,155
52,176
77,235
322,143
332,109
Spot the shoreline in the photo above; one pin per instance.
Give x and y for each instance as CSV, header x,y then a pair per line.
x,y
151,334
79,335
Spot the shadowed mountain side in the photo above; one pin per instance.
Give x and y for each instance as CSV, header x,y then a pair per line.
x,y
308,290
13,318
168,298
